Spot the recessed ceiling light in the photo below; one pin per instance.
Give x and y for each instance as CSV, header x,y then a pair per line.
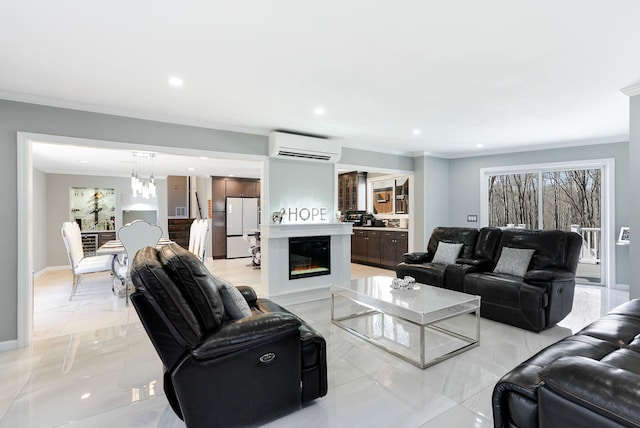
x,y
319,111
84,161
479,145
204,157
191,169
230,175
85,396
175,81
416,132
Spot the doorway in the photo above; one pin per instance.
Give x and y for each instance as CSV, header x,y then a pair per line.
x,y
26,211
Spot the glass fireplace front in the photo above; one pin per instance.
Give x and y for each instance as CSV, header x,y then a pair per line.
x,y
309,256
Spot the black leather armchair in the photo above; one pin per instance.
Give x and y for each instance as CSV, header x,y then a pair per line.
x,y
218,371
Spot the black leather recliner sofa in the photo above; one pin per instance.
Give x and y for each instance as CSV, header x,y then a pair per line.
x,y
221,371
587,380
535,301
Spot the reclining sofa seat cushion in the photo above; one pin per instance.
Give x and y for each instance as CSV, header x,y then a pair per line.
x,y
196,283
421,266
524,302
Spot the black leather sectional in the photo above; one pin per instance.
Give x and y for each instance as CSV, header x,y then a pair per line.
x,y
587,380
221,371
535,301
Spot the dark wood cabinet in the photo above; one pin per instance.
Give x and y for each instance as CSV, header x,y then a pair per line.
x,y
393,246
222,188
359,246
373,247
352,189
219,235
378,247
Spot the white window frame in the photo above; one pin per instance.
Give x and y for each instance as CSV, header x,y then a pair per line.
x,y
607,216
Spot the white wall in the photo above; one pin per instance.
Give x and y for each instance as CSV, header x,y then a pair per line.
x,y
634,200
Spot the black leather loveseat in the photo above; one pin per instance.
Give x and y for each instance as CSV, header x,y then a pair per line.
x,y
536,296
228,362
587,380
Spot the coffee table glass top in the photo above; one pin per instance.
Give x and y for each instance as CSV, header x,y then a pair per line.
x,y
422,305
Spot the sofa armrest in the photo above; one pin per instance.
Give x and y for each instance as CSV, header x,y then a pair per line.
x,y
245,332
604,389
549,275
415,258
479,263
248,293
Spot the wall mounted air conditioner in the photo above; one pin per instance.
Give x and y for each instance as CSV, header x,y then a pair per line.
x,y
293,146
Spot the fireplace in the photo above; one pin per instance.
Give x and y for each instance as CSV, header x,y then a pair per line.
x,y
309,256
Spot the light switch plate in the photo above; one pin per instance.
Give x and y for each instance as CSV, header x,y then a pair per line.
x,y
472,218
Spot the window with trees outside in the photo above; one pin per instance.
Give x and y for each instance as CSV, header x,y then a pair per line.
x,y
566,197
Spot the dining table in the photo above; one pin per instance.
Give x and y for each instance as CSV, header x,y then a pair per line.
x,y
119,263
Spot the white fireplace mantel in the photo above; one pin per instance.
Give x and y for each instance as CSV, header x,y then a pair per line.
x,y
295,230
274,240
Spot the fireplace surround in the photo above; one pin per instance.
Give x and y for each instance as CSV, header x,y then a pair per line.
x,y
309,256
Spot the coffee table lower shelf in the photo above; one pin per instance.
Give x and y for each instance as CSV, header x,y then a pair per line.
x,y
422,345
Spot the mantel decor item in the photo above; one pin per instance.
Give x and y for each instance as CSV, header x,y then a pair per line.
x,y
142,181
276,217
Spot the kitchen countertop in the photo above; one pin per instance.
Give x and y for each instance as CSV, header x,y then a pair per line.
x,y
391,229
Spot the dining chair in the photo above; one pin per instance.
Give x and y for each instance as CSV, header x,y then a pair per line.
x,y
198,238
80,264
134,236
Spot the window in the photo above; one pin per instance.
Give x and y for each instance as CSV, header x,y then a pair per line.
x,y
566,196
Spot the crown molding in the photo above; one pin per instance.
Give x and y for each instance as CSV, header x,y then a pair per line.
x,y
631,91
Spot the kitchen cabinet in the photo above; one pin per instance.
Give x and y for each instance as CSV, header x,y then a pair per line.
x,y
223,188
377,247
393,246
352,191
366,247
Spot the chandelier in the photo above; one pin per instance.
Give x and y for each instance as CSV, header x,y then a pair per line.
x,y
142,181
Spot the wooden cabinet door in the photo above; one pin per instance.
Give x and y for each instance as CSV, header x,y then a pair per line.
x,y
360,248
402,245
373,246
249,189
219,235
218,194
233,188
388,249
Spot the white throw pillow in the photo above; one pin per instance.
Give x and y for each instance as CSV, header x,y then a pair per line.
x,y
446,253
234,303
514,261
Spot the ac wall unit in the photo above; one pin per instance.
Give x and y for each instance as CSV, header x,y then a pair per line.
x,y
301,147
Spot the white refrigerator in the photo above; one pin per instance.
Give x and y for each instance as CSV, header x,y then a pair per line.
x,y
242,223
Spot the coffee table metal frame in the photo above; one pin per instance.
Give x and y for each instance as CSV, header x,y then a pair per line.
x,y
424,318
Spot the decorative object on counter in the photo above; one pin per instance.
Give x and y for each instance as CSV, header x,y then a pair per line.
x,y
142,181
408,283
276,217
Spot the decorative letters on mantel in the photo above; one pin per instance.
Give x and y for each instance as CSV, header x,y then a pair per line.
x,y
305,215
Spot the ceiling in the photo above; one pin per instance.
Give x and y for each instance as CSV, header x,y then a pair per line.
x,y
509,75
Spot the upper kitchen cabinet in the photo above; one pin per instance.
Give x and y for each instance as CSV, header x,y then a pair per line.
x,y
390,195
352,191
402,195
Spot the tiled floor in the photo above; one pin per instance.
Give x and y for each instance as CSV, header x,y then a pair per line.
x,y
91,365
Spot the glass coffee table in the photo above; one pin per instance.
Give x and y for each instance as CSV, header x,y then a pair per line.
x,y
423,326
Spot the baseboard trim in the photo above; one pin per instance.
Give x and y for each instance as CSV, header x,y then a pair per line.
x,y
303,296
49,269
8,345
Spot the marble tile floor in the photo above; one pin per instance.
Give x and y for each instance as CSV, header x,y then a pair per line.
x,y
92,365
